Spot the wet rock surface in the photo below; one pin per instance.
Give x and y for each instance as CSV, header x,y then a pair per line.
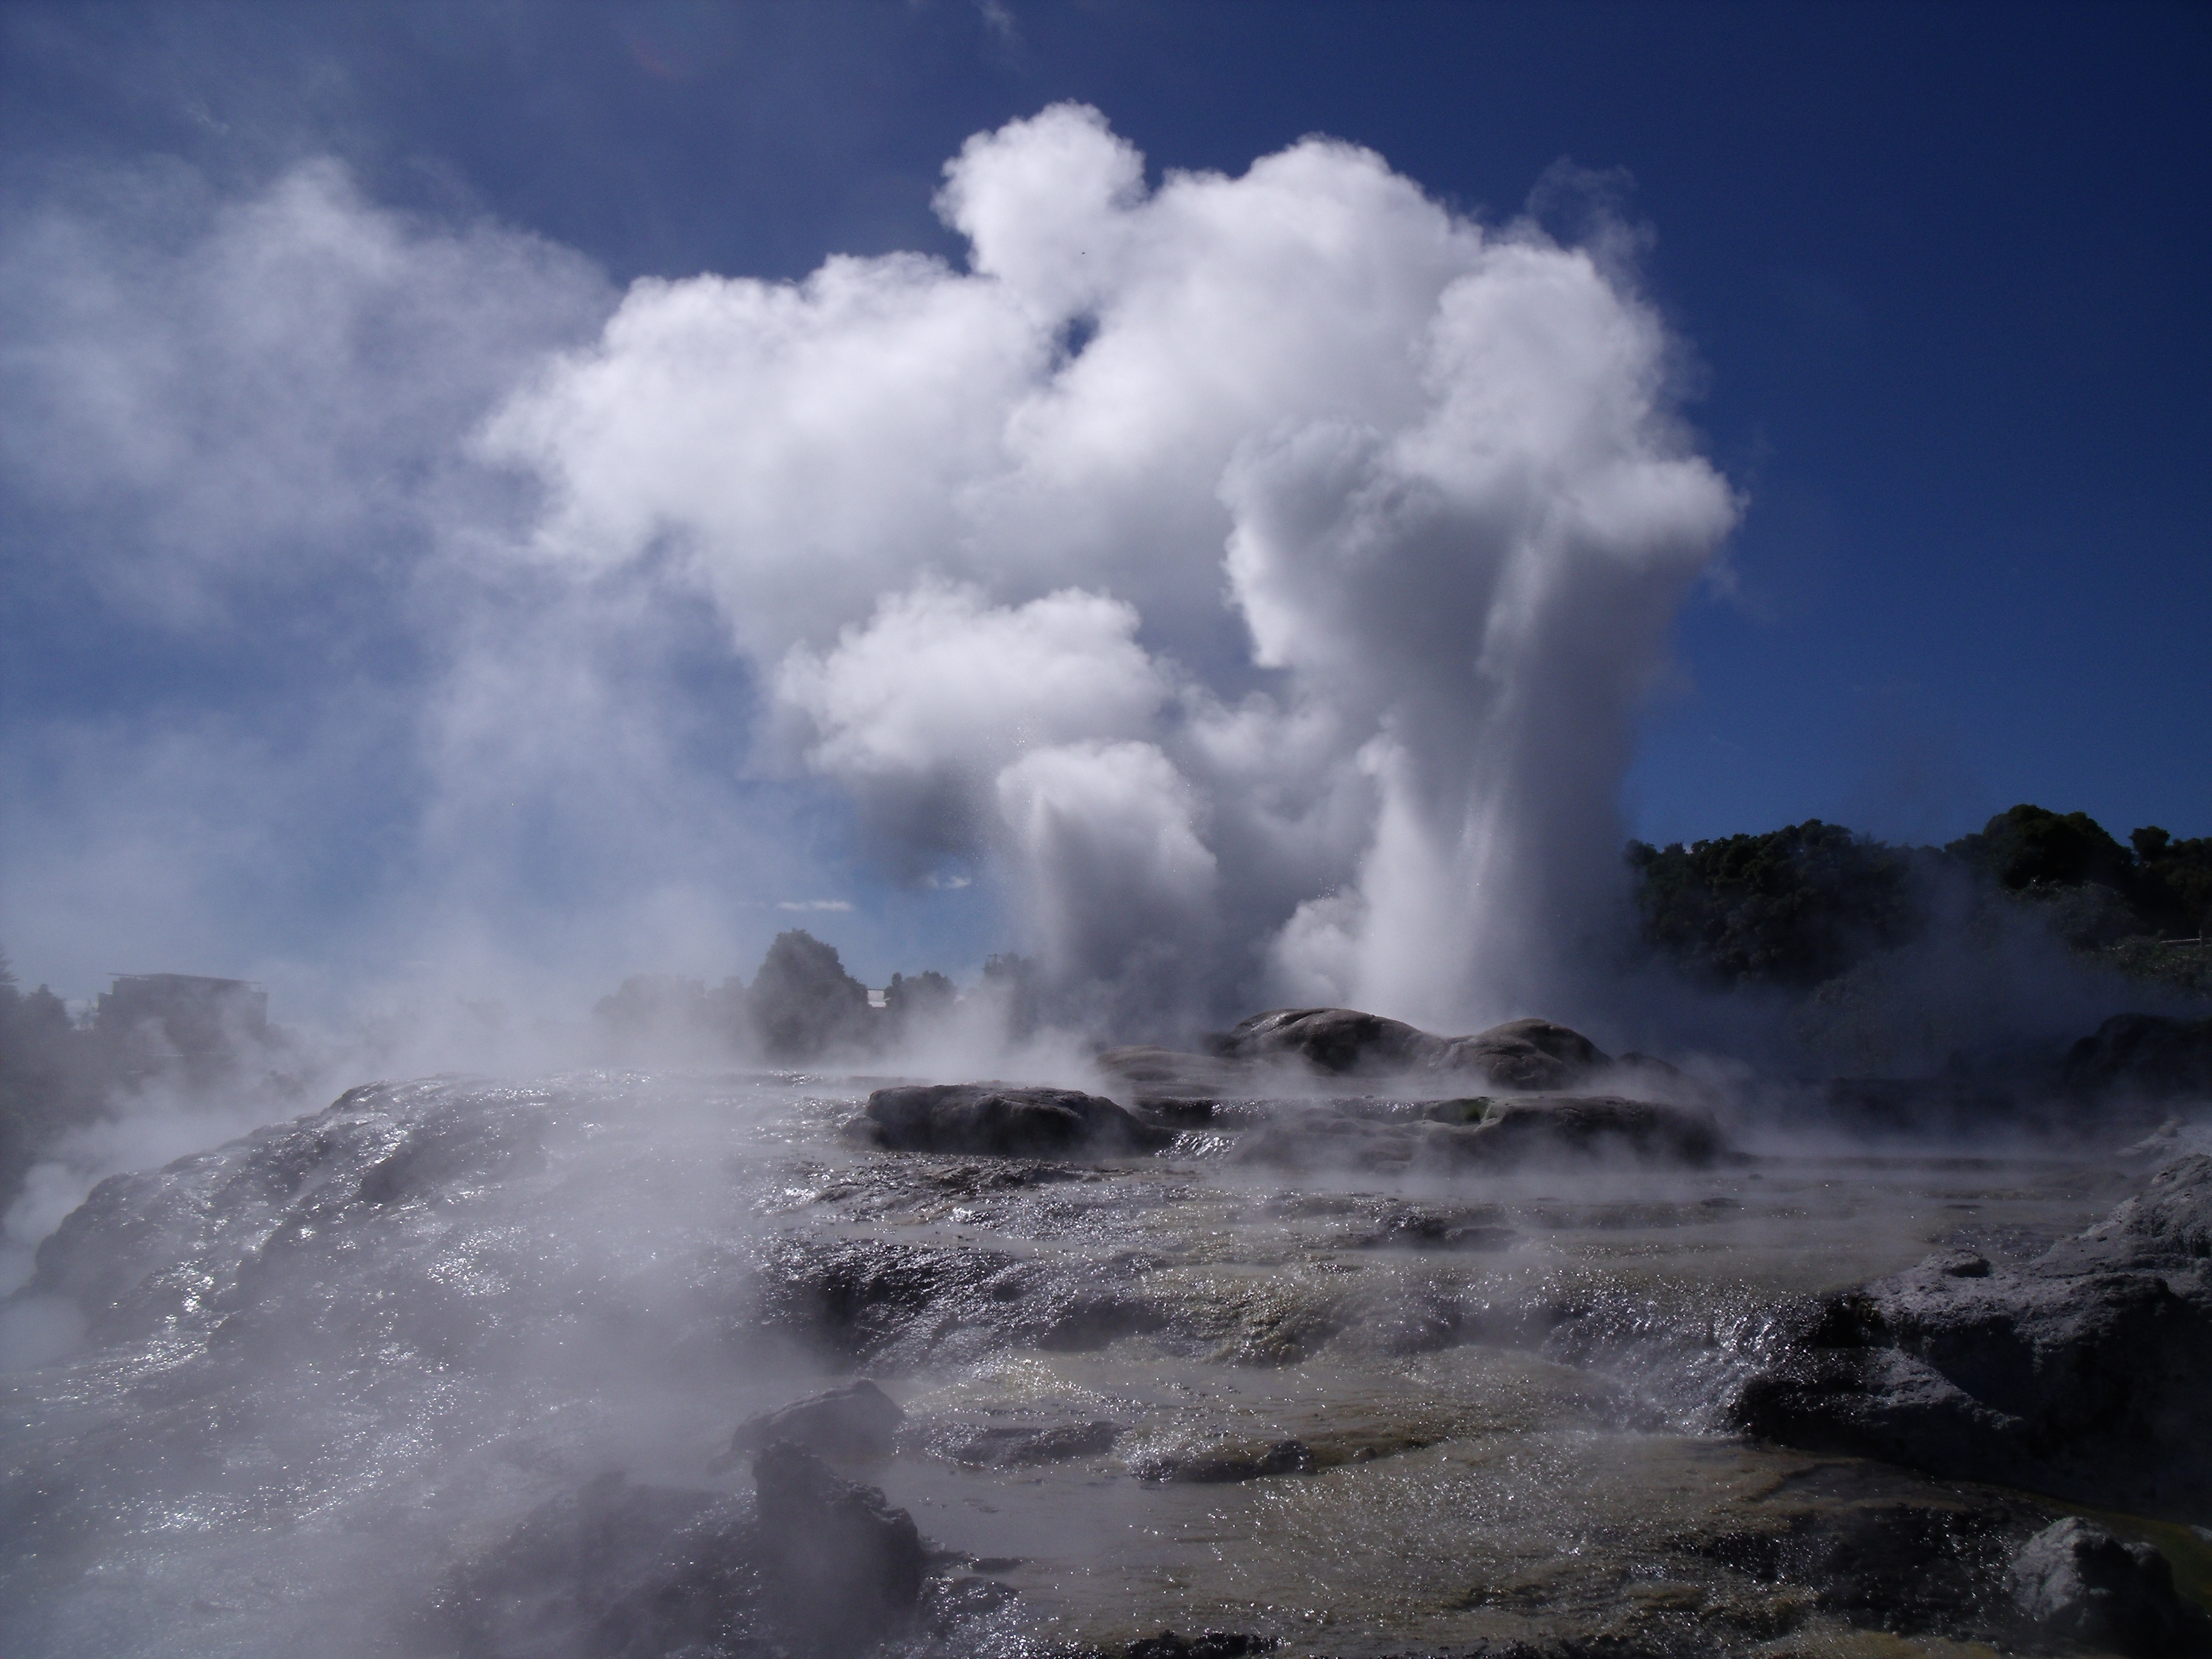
x,y
2079,1373
1287,1052
2076,1580
1527,1054
1003,1121
814,1564
1348,1412
1018,1446
1483,1133
2145,1056
856,1424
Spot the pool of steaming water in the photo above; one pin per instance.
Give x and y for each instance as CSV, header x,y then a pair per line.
x,y
336,1359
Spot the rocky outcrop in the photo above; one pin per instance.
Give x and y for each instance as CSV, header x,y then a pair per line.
x,y
999,1119
2076,1581
1529,1056
856,1424
1287,1051
894,1304
1481,1132
2080,1373
841,1566
811,1564
2141,1056
1018,1445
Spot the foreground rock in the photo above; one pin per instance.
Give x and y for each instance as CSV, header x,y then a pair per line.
x,y
1481,1133
2081,1375
856,1424
811,1564
998,1120
843,1567
2076,1580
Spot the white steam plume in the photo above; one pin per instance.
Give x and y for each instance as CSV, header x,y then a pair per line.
x,y
1268,570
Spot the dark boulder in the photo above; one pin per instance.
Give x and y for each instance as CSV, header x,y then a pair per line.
x,y
1210,1645
2141,1056
808,1566
1001,1120
1336,1041
2076,1580
1522,1054
2080,1373
1527,1054
842,1568
856,1424
1223,1465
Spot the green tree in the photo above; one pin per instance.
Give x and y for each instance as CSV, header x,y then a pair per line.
x,y
1791,908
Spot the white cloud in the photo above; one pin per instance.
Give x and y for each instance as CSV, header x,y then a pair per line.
x,y
1258,576
1391,510
275,386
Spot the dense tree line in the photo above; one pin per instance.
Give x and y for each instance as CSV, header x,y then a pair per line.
x,y
1801,904
53,1074
801,1005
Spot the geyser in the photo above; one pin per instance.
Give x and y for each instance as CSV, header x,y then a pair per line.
x,y
1265,571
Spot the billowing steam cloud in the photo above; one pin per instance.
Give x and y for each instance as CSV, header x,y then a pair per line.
x,y
1266,571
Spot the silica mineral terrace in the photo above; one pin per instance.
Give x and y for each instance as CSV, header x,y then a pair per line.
x,y
1339,1339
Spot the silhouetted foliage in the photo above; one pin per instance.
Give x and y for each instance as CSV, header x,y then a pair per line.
x,y
804,1003
654,1014
54,1075
2175,880
912,1002
1791,908
1802,904
2031,845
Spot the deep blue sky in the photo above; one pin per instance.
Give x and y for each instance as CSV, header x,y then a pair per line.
x,y
1945,268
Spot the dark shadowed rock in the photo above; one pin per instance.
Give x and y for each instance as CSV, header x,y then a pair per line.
x,y
614,1569
2077,1581
1336,1042
2080,1374
1001,1120
810,1565
1522,1054
1222,1465
843,1569
1252,1058
2145,1056
856,1424
1528,1054
1210,1645
1016,1446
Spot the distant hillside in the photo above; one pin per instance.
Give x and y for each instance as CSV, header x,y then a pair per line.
x,y
1802,904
